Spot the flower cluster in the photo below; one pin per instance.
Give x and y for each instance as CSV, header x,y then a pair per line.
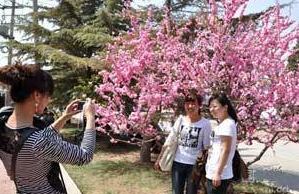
x,y
154,63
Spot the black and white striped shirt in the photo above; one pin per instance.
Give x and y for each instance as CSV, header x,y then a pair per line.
x,y
41,148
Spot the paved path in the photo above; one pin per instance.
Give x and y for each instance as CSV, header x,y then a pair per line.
x,y
277,167
8,187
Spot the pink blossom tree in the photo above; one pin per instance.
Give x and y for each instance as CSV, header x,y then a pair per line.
x,y
154,64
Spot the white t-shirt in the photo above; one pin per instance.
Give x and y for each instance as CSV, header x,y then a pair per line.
x,y
225,128
192,137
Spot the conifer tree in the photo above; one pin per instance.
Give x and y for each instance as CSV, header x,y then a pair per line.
x,y
75,44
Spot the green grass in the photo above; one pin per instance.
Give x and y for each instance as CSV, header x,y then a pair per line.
x,y
118,176
121,177
115,170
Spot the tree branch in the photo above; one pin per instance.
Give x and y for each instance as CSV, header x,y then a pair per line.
x,y
272,141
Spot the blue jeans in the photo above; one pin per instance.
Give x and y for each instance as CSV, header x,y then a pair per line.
x,y
222,189
180,175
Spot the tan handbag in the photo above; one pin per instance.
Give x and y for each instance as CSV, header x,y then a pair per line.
x,y
167,158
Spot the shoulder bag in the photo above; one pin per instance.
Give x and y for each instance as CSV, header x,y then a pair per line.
x,y
167,158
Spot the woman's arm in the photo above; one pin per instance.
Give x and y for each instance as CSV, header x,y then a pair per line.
x,y
59,123
226,142
206,136
70,110
50,146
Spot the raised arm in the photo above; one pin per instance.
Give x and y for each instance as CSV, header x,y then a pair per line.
x,y
226,142
50,146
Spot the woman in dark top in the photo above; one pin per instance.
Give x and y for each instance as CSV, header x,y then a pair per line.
x,y
33,166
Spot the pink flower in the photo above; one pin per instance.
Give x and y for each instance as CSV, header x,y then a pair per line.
x,y
151,66
114,141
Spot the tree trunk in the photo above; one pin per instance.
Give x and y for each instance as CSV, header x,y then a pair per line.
x,y
145,151
168,5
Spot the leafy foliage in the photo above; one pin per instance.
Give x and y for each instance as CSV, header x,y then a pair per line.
x,y
154,64
75,45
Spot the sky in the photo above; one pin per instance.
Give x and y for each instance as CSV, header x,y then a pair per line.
x,y
253,7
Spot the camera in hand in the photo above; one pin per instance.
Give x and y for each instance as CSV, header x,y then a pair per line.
x,y
80,105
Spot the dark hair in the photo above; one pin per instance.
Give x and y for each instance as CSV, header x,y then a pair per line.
x,y
192,97
223,100
25,79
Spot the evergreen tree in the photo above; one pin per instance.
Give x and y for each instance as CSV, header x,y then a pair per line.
x,y
75,45
294,59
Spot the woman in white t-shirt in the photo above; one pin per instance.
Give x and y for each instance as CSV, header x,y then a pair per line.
x,y
194,135
219,170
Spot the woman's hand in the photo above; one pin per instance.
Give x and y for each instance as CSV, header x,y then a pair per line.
x,y
157,166
89,109
89,113
216,180
71,110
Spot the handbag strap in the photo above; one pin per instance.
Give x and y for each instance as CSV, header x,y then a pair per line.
x,y
176,130
203,139
24,135
179,130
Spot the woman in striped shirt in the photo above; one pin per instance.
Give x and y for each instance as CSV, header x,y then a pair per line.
x,y
33,165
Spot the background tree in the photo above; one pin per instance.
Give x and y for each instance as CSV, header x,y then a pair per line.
x,y
294,60
153,65
75,44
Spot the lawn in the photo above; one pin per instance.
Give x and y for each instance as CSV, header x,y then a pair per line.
x,y
116,170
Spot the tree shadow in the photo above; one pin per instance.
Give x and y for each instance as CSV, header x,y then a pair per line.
x,y
283,180
104,145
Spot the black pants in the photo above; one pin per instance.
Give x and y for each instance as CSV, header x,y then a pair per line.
x,y
222,189
180,176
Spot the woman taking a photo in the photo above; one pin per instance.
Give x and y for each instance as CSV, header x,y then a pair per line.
x,y
31,154
219,170
194,134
